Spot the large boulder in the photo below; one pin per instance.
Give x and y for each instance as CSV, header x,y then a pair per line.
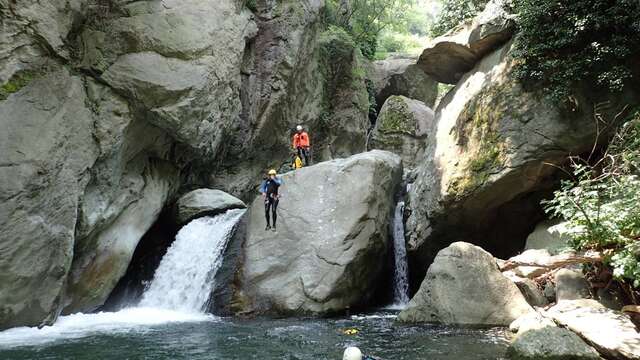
x,y
450,56
401,76
465,286
402,128
539,338
203,202
46,150
487,163
331,241
610,332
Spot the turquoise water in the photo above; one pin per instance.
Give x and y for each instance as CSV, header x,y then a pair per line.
x,y
228,338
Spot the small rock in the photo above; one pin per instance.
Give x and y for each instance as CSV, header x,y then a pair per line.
x,y
203,202
531,292
531,256
571,285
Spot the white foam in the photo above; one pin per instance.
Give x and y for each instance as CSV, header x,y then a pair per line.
x,y
82,325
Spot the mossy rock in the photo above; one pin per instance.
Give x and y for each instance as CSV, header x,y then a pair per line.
x,y
16,83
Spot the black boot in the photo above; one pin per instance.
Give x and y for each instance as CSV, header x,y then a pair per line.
x,y
267,228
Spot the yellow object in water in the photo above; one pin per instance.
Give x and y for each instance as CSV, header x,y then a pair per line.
x,y
352,331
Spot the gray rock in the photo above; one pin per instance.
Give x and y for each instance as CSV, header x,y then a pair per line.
x,y
401,76
551,235
552,343
102,259
531,291
202,202
571,285
450,56
46,150
331,241
610,332
531,256
465,286
402,128
611,298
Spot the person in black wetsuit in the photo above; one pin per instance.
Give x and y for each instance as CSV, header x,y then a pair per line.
x,y
269,190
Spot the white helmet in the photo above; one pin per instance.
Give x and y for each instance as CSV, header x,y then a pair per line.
x,y
352,353
299,127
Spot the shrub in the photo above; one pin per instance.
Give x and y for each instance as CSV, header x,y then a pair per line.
x,y
601,204
561,43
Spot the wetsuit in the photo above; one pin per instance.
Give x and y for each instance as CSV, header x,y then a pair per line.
x,y
270,188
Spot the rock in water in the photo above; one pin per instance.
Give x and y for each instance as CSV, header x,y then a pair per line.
x,y
465,286
203,202
610,332
402,128
333,224
539,338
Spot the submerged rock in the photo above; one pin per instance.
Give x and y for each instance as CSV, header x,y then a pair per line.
x,y
402,128
465,286
331,241
450,56
612,333
202,202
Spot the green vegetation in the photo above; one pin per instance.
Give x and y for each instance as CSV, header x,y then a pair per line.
x,y
364,20
561,43
601,204
17,82
455,12
251,5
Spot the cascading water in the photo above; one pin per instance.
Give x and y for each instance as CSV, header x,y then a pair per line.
x,y
185,277
178,292
400,271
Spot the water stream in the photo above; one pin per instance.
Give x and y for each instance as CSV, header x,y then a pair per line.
x,y
400,271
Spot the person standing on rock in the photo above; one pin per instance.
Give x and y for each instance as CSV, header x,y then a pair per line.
x,y
269,190
302,144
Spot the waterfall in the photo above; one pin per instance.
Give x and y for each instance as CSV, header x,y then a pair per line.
x,y
179,291
185,277
400,270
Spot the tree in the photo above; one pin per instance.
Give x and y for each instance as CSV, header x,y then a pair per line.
x,y
365,19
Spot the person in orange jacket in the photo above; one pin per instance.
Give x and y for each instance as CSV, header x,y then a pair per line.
x,y
301,144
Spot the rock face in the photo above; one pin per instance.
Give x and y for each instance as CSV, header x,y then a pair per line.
x,y
450,56
203,202
109,107
465,286
401,76
610,332
486,162
331,240
402,128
